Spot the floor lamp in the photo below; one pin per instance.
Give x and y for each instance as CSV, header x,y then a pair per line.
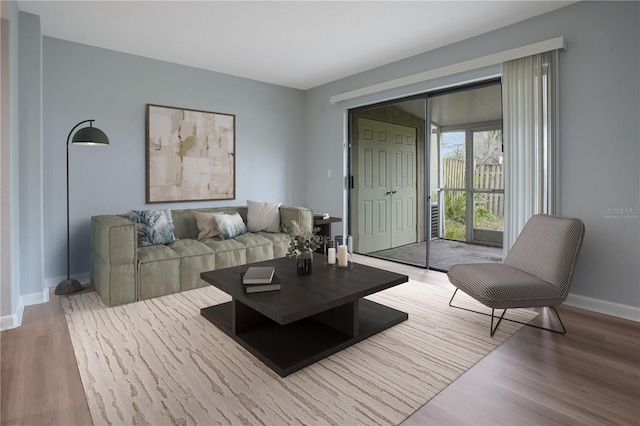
x,y
85,136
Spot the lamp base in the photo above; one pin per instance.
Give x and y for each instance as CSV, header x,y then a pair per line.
x,y
68,286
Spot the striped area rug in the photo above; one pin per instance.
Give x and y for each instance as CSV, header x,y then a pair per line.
x,y
159,362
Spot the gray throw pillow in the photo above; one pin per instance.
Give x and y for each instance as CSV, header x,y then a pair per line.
x,y
154,226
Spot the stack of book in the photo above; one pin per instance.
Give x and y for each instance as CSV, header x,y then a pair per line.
x,y
260,278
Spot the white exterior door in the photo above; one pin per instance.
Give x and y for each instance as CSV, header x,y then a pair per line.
x,y
385,185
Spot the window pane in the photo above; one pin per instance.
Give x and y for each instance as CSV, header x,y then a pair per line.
x,y
487,156
453,159
488,211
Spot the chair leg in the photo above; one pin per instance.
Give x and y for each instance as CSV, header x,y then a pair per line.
x,y
493,329
454,295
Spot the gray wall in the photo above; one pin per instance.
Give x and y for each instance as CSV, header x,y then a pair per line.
x,y
10,259
83,82
599,130
30,153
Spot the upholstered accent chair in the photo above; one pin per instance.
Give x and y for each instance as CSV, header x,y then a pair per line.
x,y
537,271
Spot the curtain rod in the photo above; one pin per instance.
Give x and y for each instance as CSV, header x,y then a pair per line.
x,y
484,61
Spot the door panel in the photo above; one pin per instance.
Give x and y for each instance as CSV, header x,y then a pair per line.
x,y
405,194
373,203
386,179
383,220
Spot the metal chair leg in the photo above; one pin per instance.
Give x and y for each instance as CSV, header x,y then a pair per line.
x,y
493,329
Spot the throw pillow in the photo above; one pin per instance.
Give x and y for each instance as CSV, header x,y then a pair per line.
x,y
263,216
153,226
206,225
229,225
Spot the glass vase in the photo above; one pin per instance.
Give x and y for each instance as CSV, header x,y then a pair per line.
x,y
304,262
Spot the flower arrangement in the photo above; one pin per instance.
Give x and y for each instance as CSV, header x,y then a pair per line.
x,y
303,240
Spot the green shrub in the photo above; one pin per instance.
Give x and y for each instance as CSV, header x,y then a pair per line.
x,y
455,208
455,211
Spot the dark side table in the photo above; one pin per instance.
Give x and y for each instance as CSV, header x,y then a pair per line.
x,y
325,226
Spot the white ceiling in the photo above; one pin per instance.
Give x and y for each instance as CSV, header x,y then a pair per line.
x,y
468,107
298,44
459,108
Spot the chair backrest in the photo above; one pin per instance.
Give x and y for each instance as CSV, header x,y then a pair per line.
x,y
548,248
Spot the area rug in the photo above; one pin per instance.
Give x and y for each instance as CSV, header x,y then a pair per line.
x,y
159,362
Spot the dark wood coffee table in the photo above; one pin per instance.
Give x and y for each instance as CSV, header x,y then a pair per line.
x,y
310,318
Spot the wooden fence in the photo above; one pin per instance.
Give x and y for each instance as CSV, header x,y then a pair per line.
x,y
486,176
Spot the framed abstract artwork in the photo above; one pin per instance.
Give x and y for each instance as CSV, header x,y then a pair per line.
x,y
190,155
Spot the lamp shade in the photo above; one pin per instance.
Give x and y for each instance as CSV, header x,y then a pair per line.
x,y
90,136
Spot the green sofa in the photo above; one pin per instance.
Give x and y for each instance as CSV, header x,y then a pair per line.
x,y
123,273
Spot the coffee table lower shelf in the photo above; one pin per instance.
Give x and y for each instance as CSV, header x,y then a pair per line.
x,y
288,348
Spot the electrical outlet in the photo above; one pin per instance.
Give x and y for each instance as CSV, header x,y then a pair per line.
x,y
328,173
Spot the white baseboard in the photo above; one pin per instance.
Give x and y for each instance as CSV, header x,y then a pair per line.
x,y
604,307
8,322
35,298
13,321
53,281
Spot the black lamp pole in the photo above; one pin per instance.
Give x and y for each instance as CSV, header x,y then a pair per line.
x,y
85,136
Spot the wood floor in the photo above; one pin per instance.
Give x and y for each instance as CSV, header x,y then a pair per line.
x,y
589,376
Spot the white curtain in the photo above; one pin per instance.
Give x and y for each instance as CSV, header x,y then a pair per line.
x,y
529,102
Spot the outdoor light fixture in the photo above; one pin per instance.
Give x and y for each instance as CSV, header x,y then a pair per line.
x,y
85,136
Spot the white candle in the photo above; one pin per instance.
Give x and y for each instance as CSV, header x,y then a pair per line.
x,y
342,255
331,255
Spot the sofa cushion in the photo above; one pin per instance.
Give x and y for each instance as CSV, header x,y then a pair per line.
x,y
227,252
280,242
263,216
153,226
184,224
158,271
229,225
195,258
303,216
156,253
189,247
275,237
258,248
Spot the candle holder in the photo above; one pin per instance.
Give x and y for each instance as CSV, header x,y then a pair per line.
x,y
344,252
330,253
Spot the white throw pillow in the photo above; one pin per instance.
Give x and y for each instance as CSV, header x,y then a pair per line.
x,y
229,225
263,216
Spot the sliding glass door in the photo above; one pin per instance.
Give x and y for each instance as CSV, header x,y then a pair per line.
x,y
427,182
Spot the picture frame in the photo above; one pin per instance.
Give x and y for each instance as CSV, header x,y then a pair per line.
x,y
190,155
